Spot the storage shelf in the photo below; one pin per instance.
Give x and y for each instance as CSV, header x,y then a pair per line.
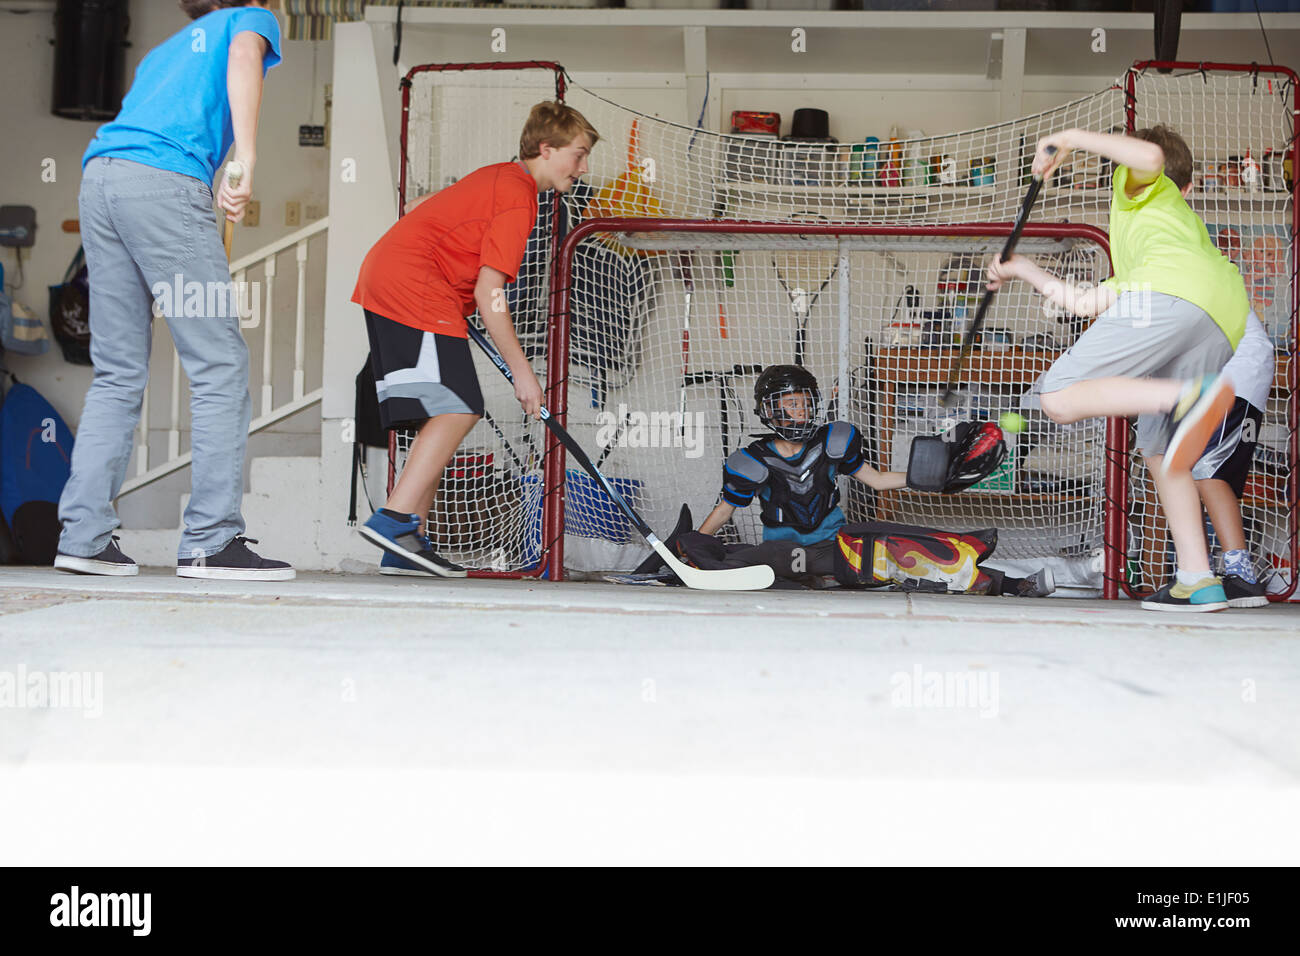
x,y
1019,496
1265,490
848,189
930,366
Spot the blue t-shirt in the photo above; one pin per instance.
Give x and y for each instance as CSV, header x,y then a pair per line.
x,y
177,113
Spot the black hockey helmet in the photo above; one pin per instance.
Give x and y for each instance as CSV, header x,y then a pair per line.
x,y
777,381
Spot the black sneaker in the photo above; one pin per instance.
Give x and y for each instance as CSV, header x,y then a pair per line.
x,y
235,562
109,561
1241,593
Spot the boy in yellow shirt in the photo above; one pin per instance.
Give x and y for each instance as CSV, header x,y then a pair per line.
x,y
1167,322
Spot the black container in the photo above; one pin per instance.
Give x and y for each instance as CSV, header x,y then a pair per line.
x,y
810,124
89,58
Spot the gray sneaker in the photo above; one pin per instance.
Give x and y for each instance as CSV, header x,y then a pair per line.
x,y
1039,584
109,561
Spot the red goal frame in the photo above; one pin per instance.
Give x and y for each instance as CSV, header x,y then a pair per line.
x,y
1113,524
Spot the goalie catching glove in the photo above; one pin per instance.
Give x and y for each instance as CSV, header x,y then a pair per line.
x,y
957,459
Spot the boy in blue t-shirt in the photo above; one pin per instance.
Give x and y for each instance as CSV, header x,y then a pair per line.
x,y
147,225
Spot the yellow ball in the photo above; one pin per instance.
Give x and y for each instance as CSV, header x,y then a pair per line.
x,y
1012,422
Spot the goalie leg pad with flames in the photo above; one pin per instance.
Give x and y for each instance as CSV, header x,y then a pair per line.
x,y
876,553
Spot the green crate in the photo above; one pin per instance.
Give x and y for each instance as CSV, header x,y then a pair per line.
x,y
1003,478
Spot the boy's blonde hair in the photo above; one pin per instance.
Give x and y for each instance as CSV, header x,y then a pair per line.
x,y
553,123
1178,155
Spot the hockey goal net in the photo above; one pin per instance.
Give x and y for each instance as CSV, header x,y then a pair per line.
x,y
610,334
669,323
494,508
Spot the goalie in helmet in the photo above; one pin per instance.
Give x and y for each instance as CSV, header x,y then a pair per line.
x,y
793,473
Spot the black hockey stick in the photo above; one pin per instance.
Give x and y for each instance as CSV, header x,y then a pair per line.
x,y
730,579
973,331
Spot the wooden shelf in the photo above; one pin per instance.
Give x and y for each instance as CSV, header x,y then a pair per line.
x,y
1281,372
1064,192
981,494
1264,490
1238,195
913,365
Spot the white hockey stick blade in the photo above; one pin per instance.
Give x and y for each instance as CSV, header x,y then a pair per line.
x,y
726,579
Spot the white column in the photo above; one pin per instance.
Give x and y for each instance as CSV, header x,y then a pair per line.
x,y
268,340
696,52
142,449
1011,92
300,328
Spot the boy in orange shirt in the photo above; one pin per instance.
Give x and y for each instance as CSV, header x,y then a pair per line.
x,y
452,253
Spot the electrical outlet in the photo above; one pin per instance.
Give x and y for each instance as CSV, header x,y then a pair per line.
x,y
311,213
252,213
293,214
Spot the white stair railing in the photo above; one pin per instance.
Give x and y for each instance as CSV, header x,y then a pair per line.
x,y
269,412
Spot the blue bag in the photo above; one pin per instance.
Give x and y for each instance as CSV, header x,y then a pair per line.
x,y
35,462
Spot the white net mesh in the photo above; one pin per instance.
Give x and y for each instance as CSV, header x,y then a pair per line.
x,y
666,390
488,510
645,166
628,305
1239,127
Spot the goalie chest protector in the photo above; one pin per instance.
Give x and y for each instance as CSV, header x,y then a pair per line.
x,y
796,492
877,553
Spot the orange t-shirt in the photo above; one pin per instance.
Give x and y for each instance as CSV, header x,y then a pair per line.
x,y
422,272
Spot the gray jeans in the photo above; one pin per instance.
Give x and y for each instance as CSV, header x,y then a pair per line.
x,y
143,229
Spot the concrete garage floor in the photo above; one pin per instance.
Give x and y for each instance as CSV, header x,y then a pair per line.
x,y
348,719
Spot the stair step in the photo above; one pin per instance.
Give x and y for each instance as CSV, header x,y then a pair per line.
x,y
283,496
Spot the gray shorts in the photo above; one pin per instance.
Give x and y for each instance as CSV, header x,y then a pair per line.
x,y
1143,335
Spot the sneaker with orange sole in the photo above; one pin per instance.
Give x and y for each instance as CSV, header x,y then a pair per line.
x,y
1201,408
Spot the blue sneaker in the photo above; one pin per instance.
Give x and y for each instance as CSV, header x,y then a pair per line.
x,y
402,541
1205,595
392,564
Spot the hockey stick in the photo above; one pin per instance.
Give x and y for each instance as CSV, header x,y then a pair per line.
x,y
973,330
731,579
234,173
618,436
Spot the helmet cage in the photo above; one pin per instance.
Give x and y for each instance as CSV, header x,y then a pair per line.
x,y
771,414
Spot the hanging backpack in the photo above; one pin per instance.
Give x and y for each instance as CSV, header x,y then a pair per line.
x,y
35,462
70,311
